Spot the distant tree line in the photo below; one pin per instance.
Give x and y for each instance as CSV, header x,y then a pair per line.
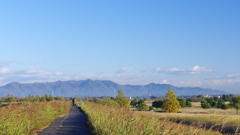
x,y
119,101
30,98
201,98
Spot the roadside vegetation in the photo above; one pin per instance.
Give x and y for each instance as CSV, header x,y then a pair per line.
x,y
106,120
25,117
169,111
107,117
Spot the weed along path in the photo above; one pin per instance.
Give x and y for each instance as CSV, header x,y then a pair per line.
x,y
72,124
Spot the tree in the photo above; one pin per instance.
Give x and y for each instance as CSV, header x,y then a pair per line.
x,y
205,105
122,100
170,102
235,103
51,98
201,97
188,104
212,102
9,98
109,102
134,102
140,102
225,106
227,97
37,99
157,103
46,97
182,102
220,103
43,99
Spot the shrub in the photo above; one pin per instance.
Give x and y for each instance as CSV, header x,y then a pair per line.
x,y
206,105
151,108
134,102
143,107
109,102
220,103
225,106
182,103
188,104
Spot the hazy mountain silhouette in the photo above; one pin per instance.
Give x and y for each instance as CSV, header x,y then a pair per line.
x,y
93,88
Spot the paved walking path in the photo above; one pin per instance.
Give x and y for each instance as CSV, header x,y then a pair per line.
x,y
72,124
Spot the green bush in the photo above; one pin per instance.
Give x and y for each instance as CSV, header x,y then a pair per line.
x,y
188,104
109,102
143,107
225,106
151,108
206,105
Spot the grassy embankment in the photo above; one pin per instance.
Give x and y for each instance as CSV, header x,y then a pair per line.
x,y
117,121
225,120
26,118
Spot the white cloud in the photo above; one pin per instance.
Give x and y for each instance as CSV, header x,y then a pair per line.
x,y
4,70
175,71
59,73
164,82
125,69
35,75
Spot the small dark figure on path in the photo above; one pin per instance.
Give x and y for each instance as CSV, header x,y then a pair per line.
x,y
73,101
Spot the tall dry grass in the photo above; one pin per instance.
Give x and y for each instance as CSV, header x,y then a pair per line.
x,y
26,118
225,120
106,120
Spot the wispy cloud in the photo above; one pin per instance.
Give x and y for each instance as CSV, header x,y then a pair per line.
x,y
35,75
229,79
151,69
3,63
175,71
125,69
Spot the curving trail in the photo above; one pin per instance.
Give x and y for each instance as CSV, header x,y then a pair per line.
x,y
72,124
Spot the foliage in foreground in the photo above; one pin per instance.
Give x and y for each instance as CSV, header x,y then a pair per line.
x,y
27,117
117,121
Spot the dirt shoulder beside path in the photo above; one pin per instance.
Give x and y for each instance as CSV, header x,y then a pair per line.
x,y
72,124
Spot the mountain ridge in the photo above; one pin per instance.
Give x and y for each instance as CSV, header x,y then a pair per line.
x,y
94,88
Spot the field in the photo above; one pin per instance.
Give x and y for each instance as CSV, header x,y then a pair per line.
x,y
116,121
224,120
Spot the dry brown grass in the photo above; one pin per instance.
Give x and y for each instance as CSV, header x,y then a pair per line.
x,y
225,119
117,121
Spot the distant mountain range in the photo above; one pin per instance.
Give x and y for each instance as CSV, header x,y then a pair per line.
x,y
96,88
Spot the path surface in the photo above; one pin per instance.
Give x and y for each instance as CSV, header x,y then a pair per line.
x,y
72,124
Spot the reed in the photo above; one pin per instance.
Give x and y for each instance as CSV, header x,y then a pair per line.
x,y
26,118
105,120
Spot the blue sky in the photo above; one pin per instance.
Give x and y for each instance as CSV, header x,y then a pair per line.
x,y
183,43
